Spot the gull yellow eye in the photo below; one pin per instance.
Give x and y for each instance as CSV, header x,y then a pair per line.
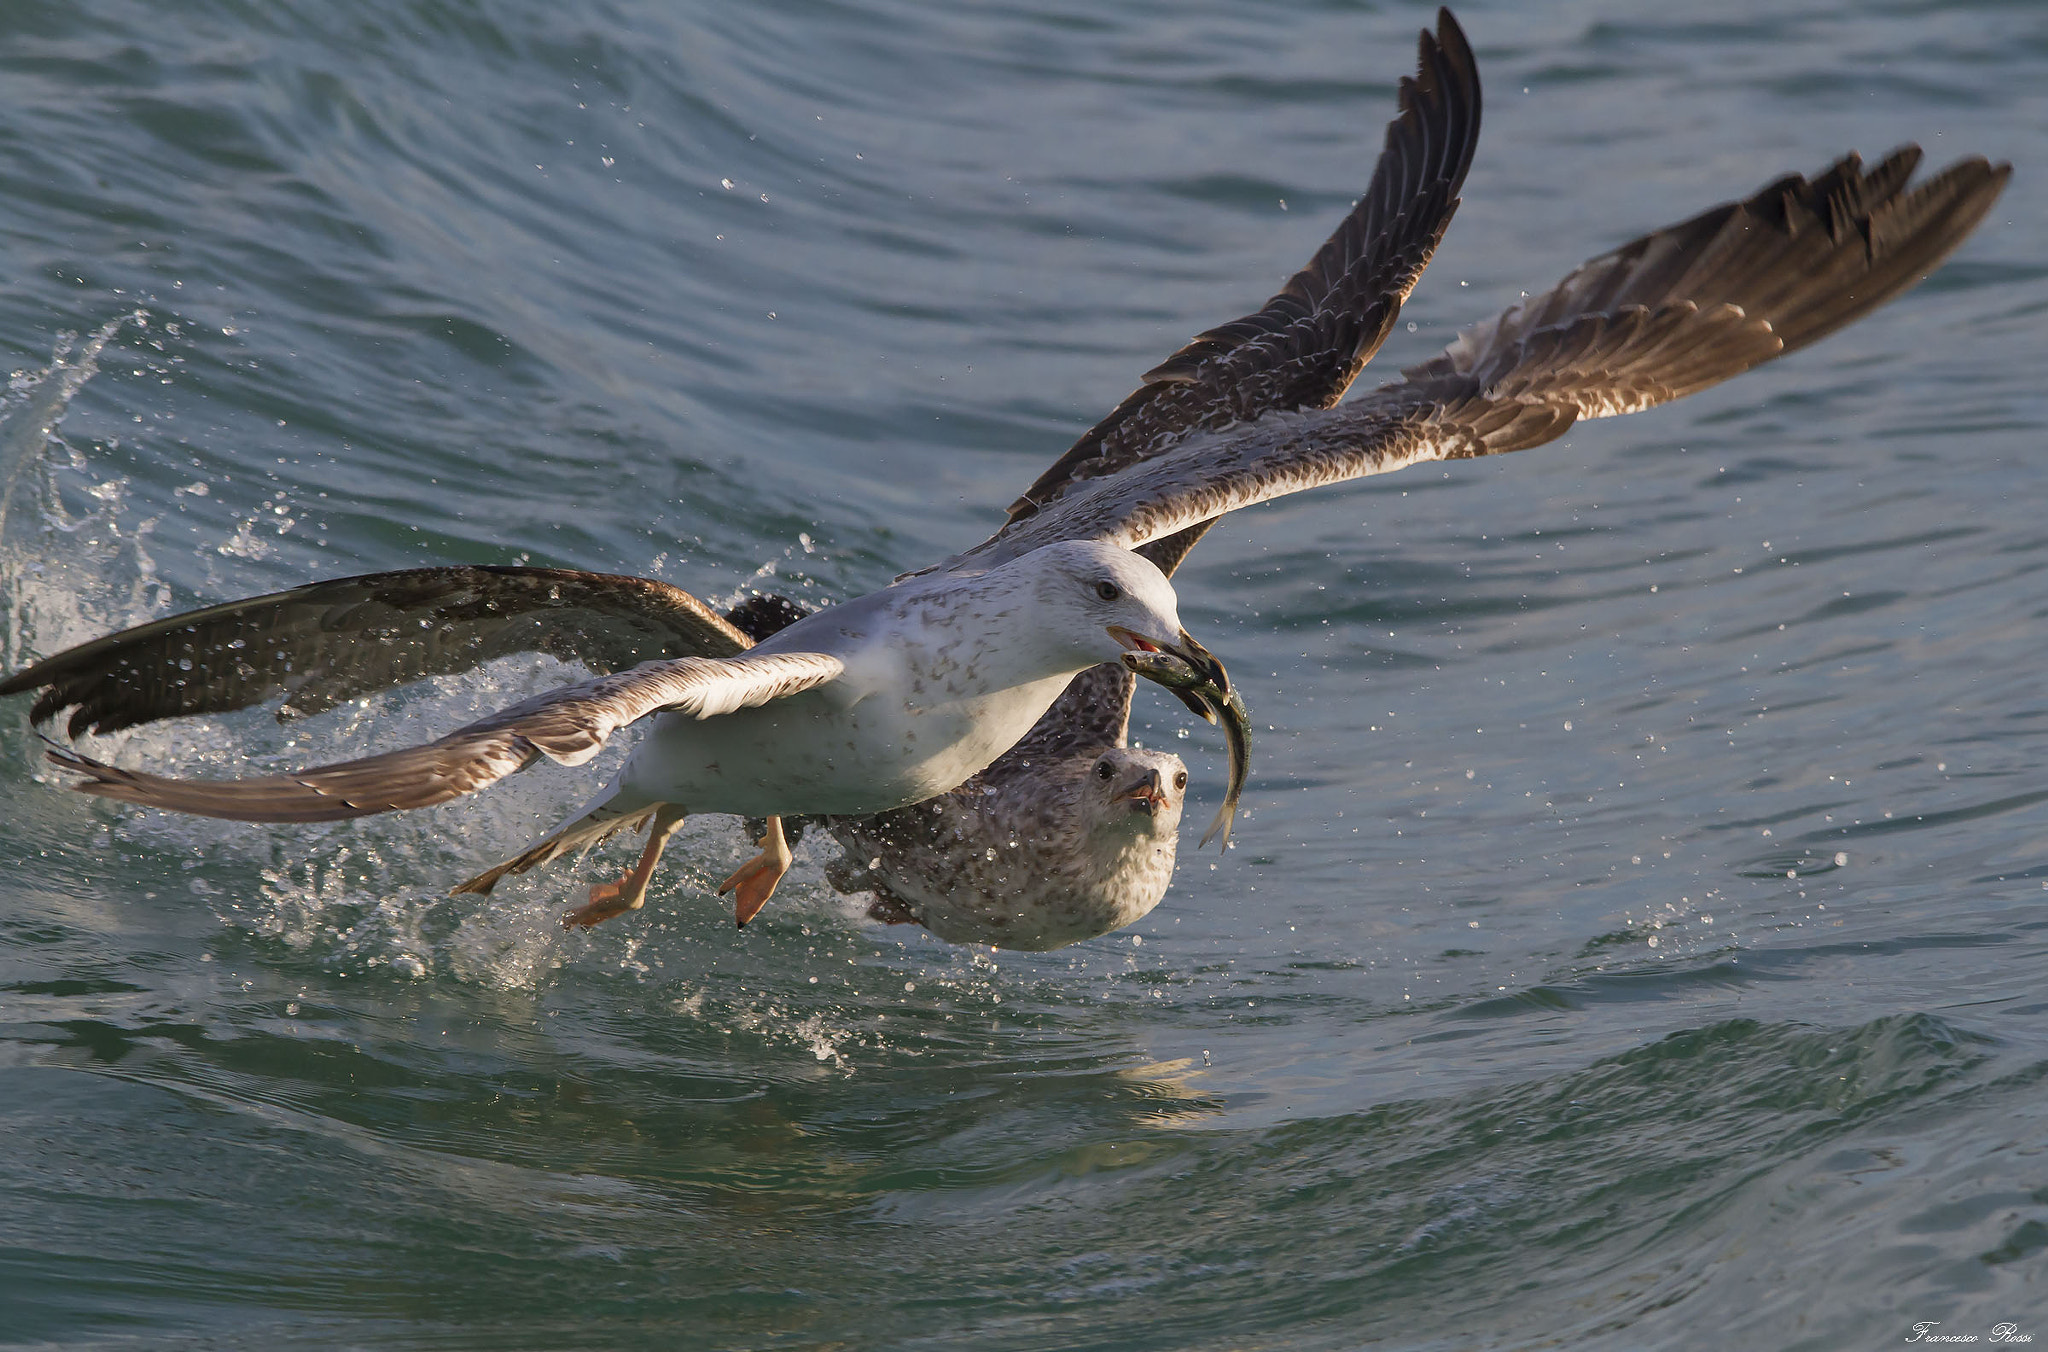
x,y
1108,590
1103,769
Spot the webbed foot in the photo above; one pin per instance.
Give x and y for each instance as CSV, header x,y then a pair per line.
x,y
629,893
754,881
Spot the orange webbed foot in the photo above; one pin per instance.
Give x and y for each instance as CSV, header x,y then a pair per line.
x,y
606,901
630,891
754,881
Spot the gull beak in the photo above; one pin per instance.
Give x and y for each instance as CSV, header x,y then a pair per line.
x,y
1147,793
1184,647
1203,661
1132,639
1200,660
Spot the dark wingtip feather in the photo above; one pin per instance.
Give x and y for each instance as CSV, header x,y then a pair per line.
x,y
1747,281
1304,347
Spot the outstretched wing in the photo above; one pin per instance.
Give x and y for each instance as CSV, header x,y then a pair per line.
x,y
568,725
328,642
1301,350
1671,313
1304,348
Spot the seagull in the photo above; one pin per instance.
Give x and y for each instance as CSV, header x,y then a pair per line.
x,y
1034,859
1243,413
1070,834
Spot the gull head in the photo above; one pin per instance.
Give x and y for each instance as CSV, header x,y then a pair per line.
x,y
1130,789
1102,601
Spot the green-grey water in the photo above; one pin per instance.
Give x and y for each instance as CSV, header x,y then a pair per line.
x,y
1636,938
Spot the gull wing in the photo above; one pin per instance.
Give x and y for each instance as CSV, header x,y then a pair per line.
x,y
329,642
1668,314
1307,344
568,725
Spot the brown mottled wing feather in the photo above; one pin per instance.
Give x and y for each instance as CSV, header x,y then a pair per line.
x,y
568,725
1093,711
1671,313
1802,256
327,642
1304,348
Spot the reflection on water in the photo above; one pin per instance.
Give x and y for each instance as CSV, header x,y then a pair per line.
x,y
1637,919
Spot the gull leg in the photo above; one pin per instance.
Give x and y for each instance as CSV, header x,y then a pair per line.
x,y
755,881
610,899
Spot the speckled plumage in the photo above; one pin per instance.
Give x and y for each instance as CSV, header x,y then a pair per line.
x,y
1034,860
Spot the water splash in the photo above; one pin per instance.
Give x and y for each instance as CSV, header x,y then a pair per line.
x,y
55,564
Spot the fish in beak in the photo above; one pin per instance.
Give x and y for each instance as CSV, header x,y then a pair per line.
x,y
1203,663
1199,681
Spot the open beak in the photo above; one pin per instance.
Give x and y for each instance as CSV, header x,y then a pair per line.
x,y
1147,793
1132,639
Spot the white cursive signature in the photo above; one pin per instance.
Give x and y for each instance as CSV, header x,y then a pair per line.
x,y
1924,1332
